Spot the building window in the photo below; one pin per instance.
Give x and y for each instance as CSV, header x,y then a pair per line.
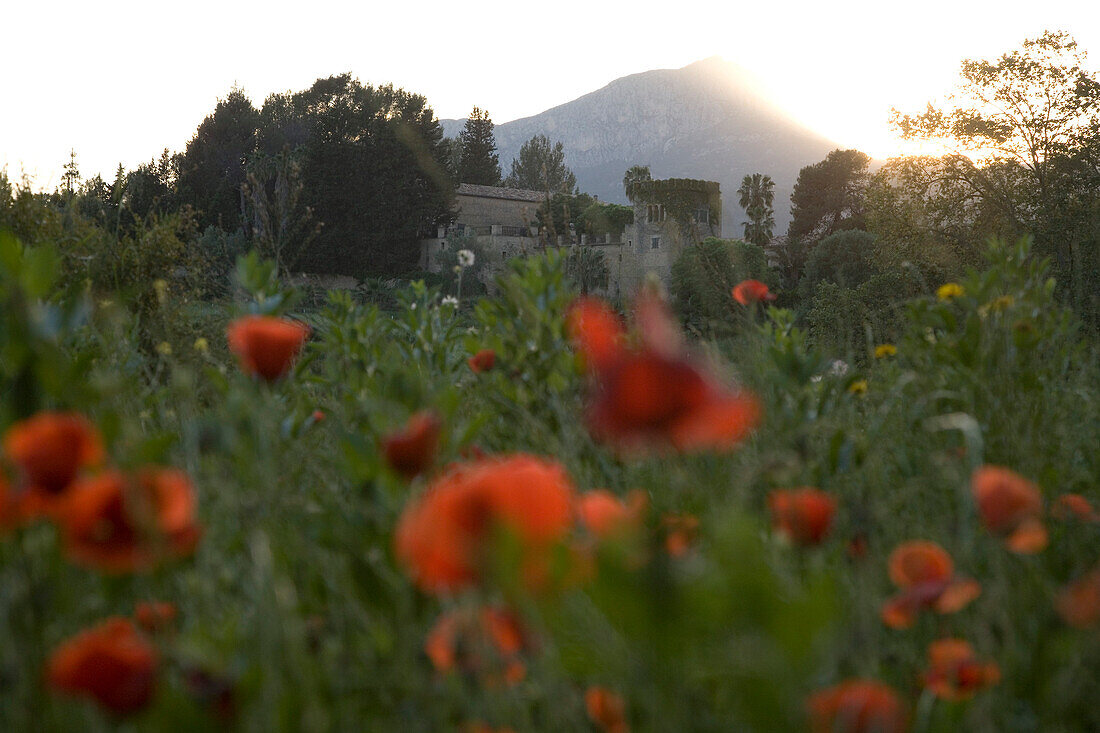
x,y
702,215
655,243
442,246
655,213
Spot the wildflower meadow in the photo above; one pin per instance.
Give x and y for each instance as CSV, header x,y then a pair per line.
x,y
538,511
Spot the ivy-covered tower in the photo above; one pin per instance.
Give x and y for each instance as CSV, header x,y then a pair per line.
x,y
669,215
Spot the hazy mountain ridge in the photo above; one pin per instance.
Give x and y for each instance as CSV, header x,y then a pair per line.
x,y
709,120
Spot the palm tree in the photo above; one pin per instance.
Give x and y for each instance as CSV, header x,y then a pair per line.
x,y
635,174
757,193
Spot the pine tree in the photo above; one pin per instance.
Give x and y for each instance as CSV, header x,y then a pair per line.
x,y
480,163
71,176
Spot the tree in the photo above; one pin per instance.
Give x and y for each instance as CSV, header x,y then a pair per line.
x,y
1023,132
828,196
372,172
635,174
541,167
1030,106
756,195
479,163
71,176
212,167
282,228
587,267
845,258
704,275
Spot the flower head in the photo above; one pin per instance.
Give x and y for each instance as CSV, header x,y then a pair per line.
x,y
442,537
955,673
465,258
950,291
412,450
1011,507
605,514
883,351
804,516
858,387
1078,603
606,709
486,642
656,397
111,663
482,361
1074,506
155,616
857,706
122,523
596,332
449,300
681,533
925,574
50,449
751,291
266,347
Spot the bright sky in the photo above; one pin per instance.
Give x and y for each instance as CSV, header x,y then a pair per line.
x,y
118,81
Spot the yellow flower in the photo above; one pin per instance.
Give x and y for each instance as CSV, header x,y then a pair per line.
x,y
997,305
201,344
949,291
858,387
884,350
164,348
161,288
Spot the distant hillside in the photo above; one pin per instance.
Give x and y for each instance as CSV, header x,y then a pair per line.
x,y
707,120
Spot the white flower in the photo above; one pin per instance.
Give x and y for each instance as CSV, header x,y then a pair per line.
x,y
838,368
465,258
450,300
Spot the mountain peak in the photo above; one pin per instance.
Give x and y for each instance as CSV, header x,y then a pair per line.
x,y
711,119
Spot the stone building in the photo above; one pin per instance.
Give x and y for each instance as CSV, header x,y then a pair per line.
x,y
669,215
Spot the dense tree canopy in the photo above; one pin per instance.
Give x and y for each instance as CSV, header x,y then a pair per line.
x,y
212,167
479,162
828,196
540,166
372,171
1024,131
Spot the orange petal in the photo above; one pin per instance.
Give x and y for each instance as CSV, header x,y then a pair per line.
x,y
958,595
899,613
1029,538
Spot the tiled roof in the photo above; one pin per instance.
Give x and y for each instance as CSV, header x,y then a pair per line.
x,y
499,192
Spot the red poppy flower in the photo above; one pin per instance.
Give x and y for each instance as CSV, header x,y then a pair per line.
x,y
596,332
1074,506
606,709
441,537
411,451
857,706
110,663
1010,506
154,616
118,523
487,642
49,449
751,291
954,670
266,346
804,516
925,574
656,397
681,533
482,361
1079,602
605,514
